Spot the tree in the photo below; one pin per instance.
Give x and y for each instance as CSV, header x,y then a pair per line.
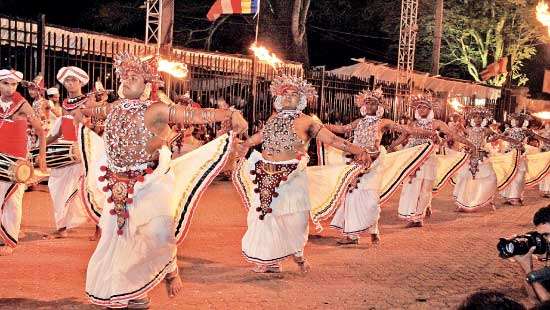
x,y
478,33
283,28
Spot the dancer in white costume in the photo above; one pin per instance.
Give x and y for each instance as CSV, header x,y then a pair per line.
x,y
476,183
520,132
13,107
64,182
416,194
279,201
150,198
360,211
544,186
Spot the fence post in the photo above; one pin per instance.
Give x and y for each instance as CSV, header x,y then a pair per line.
x,y
322,96
40,44
253,95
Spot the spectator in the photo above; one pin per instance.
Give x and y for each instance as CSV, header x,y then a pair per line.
x,y
489,300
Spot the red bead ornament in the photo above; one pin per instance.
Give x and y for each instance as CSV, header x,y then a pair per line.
x,y
258,209
101,178
269,210
129,201
130,190
140,178
253,172
106,188
103,168
110,200
149,170
275,194
284,178
112,211
256,190
119,232
125,214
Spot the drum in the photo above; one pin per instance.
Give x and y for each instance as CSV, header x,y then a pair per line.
x,y
59,154
13,169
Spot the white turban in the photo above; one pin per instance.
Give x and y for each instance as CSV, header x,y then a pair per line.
x,y
52,91
75,72
11,74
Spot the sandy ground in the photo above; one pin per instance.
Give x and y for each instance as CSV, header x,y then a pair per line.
x,y
433,267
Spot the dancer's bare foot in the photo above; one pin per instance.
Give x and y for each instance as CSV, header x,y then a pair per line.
x,y
96,235
173,284
5,250
375,239
414,224
60,233
140,303
347,240
267,269
302,263
429,212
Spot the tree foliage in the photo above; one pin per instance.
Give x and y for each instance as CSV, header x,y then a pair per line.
x,y
477,33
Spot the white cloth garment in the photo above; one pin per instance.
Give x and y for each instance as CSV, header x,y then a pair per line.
x,y
360,211
64,183
11,200
416,194
515,189
284,232
127,266
472,193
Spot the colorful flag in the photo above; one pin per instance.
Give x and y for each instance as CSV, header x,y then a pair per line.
x,y
503,65
232,7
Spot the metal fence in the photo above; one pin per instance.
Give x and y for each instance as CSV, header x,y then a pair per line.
x,y
32,46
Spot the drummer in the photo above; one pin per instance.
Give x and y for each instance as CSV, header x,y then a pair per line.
x,y
69,208
14,107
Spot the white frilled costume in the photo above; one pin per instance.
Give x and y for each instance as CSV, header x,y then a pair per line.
x,y
360,210
432,176
544,185
533,166
66,175
148,201
145,217
477,183
13,149
280,195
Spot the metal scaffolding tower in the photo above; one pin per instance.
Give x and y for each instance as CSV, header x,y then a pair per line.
x,y
405,58
153,21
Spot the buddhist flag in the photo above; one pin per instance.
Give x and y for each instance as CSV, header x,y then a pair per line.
x,y
232,7
503,65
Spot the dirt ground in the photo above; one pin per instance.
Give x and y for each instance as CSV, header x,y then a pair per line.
x,y
433,267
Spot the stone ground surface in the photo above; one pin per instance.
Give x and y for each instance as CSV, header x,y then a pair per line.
x,y
433,267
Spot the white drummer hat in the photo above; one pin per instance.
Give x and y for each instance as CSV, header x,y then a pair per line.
x,y
73,71
52,91
11,74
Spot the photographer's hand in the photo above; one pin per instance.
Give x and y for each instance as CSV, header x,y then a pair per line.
x,y
526,261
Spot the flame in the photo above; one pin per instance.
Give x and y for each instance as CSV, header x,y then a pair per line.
x,y
545,115
543,15
263,54
456,105
175,69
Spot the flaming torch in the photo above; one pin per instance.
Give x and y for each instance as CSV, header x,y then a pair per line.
x,y
545,115
263,54
175,69
456,105
543,15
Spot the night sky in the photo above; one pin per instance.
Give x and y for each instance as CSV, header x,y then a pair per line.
x,y
327,45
